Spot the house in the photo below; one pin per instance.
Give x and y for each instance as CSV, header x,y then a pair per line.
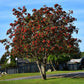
x,y
75,64
72,61
21,66
9,61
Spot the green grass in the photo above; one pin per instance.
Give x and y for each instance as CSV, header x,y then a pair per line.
x,y
18,75
10,76
48,81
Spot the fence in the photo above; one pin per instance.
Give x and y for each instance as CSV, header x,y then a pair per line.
x,y
25,68
32,67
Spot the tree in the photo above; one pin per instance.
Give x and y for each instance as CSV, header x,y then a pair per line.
x,y
47,31
61,58
51,59
82,54
76,54
4,57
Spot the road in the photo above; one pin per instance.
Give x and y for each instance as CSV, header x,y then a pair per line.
x,y
73,75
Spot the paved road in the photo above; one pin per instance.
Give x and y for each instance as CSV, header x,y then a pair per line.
x,y
76,74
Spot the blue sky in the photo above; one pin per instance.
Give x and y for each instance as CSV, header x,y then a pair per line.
x,y
6,16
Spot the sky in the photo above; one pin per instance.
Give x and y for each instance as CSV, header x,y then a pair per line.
x,y
6,16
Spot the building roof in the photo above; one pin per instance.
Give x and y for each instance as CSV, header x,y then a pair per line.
x,y
72,61
21,60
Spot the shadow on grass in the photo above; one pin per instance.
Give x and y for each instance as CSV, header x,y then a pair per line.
x,y
77,78
51,78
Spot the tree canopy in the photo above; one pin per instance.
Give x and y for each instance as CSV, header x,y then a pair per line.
x,y
47,31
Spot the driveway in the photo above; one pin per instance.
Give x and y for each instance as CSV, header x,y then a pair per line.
x,y
73,75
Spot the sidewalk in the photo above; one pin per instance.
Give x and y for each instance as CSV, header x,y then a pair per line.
x,y
75,74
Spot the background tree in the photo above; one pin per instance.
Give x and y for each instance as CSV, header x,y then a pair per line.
x,y
55,60
46,32
4,57
82,54
76,54
52,59
63,58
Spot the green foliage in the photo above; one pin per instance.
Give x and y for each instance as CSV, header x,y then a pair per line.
x,y
6,65
52,57
76,54
48,81
63,58
60,58
3,58
82,54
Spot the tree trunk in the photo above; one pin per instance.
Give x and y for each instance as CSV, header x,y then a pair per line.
x,y
42,69
52,65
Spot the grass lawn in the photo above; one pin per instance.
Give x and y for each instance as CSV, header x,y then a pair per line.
x,y
48,81
9,76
